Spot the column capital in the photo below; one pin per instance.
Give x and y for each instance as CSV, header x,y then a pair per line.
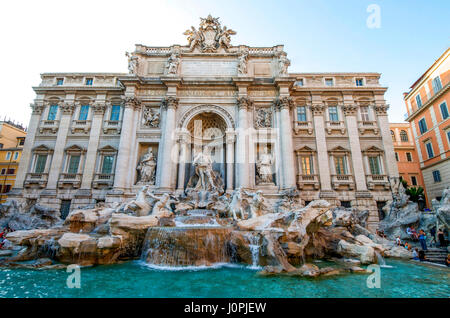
x,y
67,107
131,102
285,102
317,109
230,137
99,107
170,102
244,103
381,109
349,109
37,108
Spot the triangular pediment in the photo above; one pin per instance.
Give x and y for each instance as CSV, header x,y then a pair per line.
x,y
305,149
373,149
74,148
107,148
42,148
339,149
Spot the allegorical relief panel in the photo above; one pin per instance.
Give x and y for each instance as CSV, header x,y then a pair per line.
x,y
150,117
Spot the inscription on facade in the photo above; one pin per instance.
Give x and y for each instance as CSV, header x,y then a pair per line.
x,y
209,68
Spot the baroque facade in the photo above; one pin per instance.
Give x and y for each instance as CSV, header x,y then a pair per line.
x,y
101,136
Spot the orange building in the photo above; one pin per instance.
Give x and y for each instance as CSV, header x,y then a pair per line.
x,y
427,104
406,155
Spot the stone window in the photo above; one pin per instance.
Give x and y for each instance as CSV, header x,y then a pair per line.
x,y
364,113
11,171
106,160
8,155
84,112
59,81
39,166
329,82
359,82
403,135
301,113
444,110
21,142
429,148
3,170
74,159
333,113
89,81
115,113
107,164
423,126
374,164
307,165
413,180
299,82
1,146
74,163
436,83
418,101
52,111
437,176
408,156
396,156
16,155
340,163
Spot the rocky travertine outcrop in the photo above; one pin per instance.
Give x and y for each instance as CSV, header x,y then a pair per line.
x,y
28,217
282,241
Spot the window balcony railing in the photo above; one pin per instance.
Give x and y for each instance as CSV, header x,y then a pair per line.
x,y
342,180
333,125
112,126
69,179
34,178
103,180
374,180
364,126
311,180
80,126
303,126
49,125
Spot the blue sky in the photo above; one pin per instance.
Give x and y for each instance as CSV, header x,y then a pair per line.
x,y
319,36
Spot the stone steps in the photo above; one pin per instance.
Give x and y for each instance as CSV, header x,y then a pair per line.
x,y
436,255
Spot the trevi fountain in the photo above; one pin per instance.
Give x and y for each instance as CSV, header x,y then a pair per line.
x,y
214,229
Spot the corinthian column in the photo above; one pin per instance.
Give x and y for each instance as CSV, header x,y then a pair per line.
x,y
284,105
355,147
170,105
230,137
123,157
182,162
25,158
383,123
321,144
242,166
57,161
91,155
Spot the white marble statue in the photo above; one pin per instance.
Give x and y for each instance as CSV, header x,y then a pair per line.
x,y
173,63
237,205
224,37
264,167
242,65
161,207
257,204
194,37
147,168
203,168
283,64
132,62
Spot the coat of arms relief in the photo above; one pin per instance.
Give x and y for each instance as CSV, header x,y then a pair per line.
x,y
210,36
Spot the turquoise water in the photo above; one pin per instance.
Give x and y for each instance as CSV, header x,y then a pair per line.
x,y
134,279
